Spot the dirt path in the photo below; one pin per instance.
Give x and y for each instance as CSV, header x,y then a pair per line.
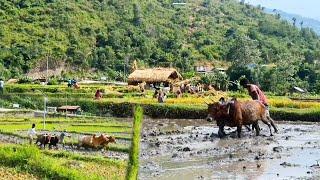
x,y
190,149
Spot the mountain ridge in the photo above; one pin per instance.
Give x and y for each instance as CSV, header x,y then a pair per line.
x,y
307,22
108,35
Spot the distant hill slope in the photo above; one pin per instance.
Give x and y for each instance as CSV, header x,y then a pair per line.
x,y
107,35
307,22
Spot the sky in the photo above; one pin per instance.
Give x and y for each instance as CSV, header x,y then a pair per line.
x,y
305,8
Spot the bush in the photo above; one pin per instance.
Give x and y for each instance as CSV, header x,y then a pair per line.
x,y
53,82
25,80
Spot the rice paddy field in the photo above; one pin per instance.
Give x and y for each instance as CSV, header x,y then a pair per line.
x,y
110,115
117,94
19,160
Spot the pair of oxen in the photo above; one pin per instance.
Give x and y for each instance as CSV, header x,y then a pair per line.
x,y
47,139
234,113
89,141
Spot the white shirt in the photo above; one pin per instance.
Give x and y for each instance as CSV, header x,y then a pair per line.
x,y
32,132
1,84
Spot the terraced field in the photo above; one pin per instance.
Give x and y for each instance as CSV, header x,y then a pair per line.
x,y
110,163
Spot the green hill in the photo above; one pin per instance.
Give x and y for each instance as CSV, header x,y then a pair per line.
x,y
107,35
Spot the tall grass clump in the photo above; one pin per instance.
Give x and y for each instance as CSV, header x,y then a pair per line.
x,y
31,160
133,167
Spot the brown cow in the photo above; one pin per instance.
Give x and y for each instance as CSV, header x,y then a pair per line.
x,y
236,114
96,142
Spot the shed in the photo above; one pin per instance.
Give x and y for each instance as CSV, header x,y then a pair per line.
x,y
70,109
154,76
203,67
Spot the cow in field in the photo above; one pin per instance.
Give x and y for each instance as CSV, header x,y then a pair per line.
x,y
96,142
44,139
235,114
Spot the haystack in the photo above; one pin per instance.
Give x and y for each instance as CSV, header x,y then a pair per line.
x,y
154,76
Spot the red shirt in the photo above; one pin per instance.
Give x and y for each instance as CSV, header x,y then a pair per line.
x,y
255,89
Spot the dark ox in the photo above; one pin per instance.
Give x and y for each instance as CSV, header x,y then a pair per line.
x,y
236,114
45,139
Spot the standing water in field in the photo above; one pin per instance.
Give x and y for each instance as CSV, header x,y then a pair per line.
x,y
191,149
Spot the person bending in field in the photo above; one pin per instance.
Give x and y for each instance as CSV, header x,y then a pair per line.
x,y
257,94
31,133
98,94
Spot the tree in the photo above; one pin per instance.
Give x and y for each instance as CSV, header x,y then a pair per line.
x,y
206,3
294,21
282,77
137,17
244,51
301,23
217,79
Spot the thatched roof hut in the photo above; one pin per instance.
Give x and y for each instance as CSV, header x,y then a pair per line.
x,y
154,75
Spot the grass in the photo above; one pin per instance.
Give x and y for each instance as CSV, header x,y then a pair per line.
x,y
87,92
191,106
69,127
60,164
31,160
18,127
12,173
133,167
86,158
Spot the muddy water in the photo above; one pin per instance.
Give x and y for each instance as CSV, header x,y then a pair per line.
x,y
190,149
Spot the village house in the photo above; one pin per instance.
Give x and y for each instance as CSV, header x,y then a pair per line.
x,y
203,67
69,109
154,76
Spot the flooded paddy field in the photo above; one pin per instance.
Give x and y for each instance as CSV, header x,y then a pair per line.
x,y
191,149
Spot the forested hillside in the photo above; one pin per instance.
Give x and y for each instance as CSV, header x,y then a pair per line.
x,y
107,35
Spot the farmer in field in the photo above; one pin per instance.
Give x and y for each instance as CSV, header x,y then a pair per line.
x,y
161,96
31,133
69,83
75,83
1,86
256,93
61,137
98,94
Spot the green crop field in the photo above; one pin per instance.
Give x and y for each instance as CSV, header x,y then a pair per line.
x,y
65,163
118,101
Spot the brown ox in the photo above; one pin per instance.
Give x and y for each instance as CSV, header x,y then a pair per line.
x,y
45,139
96,142
236,114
